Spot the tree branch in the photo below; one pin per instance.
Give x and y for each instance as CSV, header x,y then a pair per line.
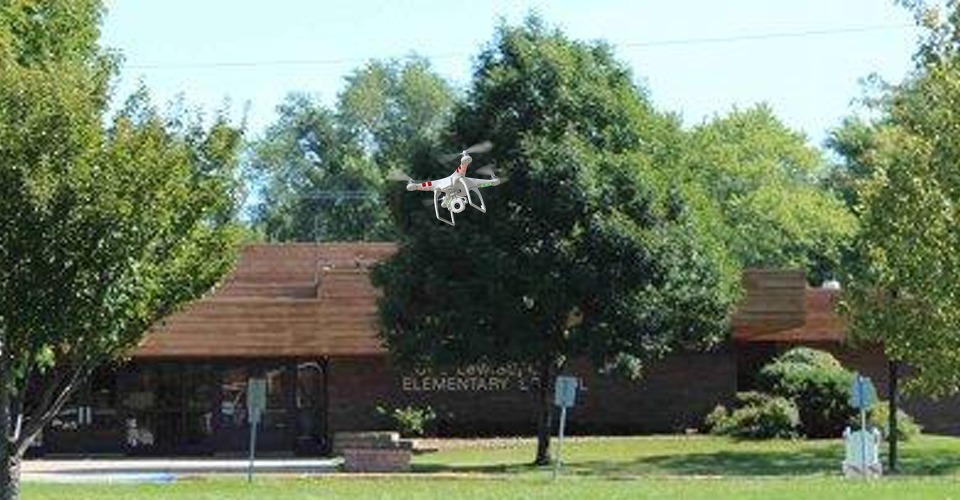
x,y
40,416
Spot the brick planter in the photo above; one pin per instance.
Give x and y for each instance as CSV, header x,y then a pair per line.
x,y
373,451
376,460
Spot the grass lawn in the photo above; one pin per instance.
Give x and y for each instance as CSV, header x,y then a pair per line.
x,y
643,467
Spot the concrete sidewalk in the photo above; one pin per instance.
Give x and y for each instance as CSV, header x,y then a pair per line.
x,y
164,470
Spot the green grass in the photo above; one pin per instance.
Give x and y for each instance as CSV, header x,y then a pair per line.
x,y
693,455
642,467
818,488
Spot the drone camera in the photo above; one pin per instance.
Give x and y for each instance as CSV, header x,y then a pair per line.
x,y
458,205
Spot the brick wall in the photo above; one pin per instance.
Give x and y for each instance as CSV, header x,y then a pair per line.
x,y
674,394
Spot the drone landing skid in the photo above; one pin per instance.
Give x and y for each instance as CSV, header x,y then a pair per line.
x,y
482,207
436,208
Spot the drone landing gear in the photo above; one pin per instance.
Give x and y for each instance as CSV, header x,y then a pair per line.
x,y
436,208
482,207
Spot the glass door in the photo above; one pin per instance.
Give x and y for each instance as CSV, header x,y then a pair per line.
x,y
169,409
276,429
310,403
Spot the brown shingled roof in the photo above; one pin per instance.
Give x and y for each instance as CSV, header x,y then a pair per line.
x,y
821,322
780,307
281,300
308,300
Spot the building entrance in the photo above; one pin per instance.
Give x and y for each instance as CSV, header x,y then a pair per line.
x,y
168,409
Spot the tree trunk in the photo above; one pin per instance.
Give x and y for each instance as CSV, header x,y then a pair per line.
x,y
9,459
547,365
893,369
10,477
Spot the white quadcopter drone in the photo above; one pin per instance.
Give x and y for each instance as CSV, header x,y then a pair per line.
x,y
454,192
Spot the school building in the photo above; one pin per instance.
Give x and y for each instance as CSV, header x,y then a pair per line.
x,y
303,316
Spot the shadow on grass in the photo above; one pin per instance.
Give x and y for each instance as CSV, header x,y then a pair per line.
x,y
513,468
802,461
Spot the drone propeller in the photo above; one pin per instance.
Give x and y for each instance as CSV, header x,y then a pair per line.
x,y
488,170
480,147
397,175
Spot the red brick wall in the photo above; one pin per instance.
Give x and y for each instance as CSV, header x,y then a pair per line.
x,y
674,394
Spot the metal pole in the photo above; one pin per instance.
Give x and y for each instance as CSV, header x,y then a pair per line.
x,y
563,420
253,447
861,397
863,442
892,376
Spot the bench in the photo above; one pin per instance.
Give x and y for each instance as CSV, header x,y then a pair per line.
x,y
373,451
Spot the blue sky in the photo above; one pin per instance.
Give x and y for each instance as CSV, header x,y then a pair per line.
x,y
803,57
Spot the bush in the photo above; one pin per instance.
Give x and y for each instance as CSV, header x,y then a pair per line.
x,y
878,417
817,384
409,420
810,357
756,416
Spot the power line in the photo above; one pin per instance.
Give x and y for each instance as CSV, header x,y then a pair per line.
x,y
767,36
640,44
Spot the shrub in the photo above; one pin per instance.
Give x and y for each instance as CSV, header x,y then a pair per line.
x,y
717,420
878,416
756,416
817,384
409,420
810,357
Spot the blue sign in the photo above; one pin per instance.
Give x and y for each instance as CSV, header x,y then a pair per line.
x,y
565,391
256,399
862,395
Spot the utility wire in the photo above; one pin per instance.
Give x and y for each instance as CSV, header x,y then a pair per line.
x,y
626,45
767,36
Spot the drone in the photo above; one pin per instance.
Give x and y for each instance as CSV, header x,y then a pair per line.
x,y
456,191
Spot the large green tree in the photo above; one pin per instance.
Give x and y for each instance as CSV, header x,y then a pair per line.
x,y
321,172
903,290
765,181
103,229
903,285
589,251
316,183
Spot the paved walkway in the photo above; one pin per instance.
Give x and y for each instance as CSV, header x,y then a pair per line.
x,y
164,470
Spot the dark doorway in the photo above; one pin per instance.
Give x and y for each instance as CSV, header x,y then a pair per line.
x,y
169,409
311,405
277,425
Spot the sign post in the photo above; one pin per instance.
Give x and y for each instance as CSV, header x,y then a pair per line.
x,y
862,397
256,403
564,396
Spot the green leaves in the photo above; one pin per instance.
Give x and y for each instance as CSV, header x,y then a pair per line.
x,y
103,229
590,249
903,289
763,181
323,171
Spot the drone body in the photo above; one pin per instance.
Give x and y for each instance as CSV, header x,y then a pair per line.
x,y
456,191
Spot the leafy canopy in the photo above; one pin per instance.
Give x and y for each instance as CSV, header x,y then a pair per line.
x,y
321,172
103,229
904,289
764,181
586,251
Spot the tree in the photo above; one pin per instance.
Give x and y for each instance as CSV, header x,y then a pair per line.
x,y
103,230
902,289
316,182
322,171
588,251
395,109
764,180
